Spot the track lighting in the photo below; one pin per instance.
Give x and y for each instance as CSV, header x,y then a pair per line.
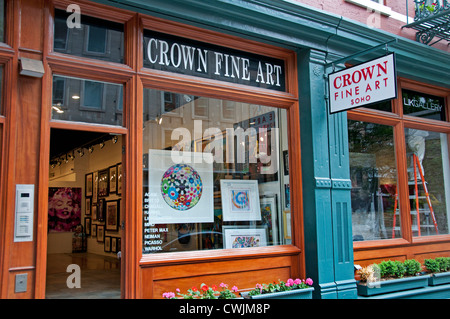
x,y
91,149
81,152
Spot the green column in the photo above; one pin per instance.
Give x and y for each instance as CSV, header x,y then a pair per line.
x,y
326,185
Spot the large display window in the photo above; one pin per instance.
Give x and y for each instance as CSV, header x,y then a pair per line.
x,y
399,164
214,174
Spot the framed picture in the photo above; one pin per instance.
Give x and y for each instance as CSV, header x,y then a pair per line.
x,y
87,226
286,162
113,179
287,196
103,183
287,224
269,216
112,215
101,210
87,209
180,187
119,179
64,208
244,237
107,244
100,233
94,230
240,200
88,185
95,187
114,244
94,208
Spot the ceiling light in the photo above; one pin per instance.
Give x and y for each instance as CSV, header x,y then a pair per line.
x,y
57,109
91,149
75,97
102,144
81,152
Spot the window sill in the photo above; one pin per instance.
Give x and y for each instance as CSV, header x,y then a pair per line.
x,y
163,259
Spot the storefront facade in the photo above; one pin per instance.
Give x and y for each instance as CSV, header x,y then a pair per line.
x,y
195,97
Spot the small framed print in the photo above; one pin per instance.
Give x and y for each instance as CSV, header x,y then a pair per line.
x,y
94,211
112,215
114,244
269,216
240,200
244,237
94,230
107,244
100,233
103,183
95,187
87,226
113,179
119,179
88,185
88,208
101,210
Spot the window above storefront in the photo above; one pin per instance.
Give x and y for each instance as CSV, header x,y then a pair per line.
x,y
94,38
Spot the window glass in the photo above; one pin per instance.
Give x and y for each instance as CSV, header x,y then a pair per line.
x,y
96,38
382,106
84,100
429,181
213,175
423,105
373,172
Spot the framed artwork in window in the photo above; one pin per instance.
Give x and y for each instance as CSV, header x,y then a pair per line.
x,y
180,187
244,237
240,200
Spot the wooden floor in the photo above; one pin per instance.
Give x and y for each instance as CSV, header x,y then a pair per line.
x,y
100,276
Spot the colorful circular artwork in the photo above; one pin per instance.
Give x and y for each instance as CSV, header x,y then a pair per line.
x,y
181,187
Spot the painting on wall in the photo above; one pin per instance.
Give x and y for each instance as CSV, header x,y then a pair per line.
x,y
180,187
64,208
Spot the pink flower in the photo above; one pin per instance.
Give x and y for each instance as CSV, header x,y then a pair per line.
x,y
290,282
297,281
168,295
222,285
177,290
309,281
234,289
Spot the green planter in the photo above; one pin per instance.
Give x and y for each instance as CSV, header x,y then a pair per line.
x,y
440,278
392,285
305,293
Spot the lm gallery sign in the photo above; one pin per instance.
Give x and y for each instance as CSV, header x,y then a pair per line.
x,y
367,83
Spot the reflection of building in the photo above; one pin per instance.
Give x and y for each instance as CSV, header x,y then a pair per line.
x,y
101,105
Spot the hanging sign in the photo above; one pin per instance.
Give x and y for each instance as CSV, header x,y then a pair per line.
x,y
363,84
185,56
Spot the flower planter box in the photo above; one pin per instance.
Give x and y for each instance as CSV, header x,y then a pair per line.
x,y
305,293
440,278
392,285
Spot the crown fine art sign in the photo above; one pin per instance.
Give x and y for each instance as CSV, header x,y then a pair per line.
x,y
363,84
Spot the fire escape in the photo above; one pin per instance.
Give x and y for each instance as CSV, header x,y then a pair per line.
x,y
431,21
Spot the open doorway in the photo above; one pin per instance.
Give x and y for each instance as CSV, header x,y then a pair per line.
x,y
84,212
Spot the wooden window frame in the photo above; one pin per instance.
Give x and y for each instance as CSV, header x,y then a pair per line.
x,y
398,121
184,84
